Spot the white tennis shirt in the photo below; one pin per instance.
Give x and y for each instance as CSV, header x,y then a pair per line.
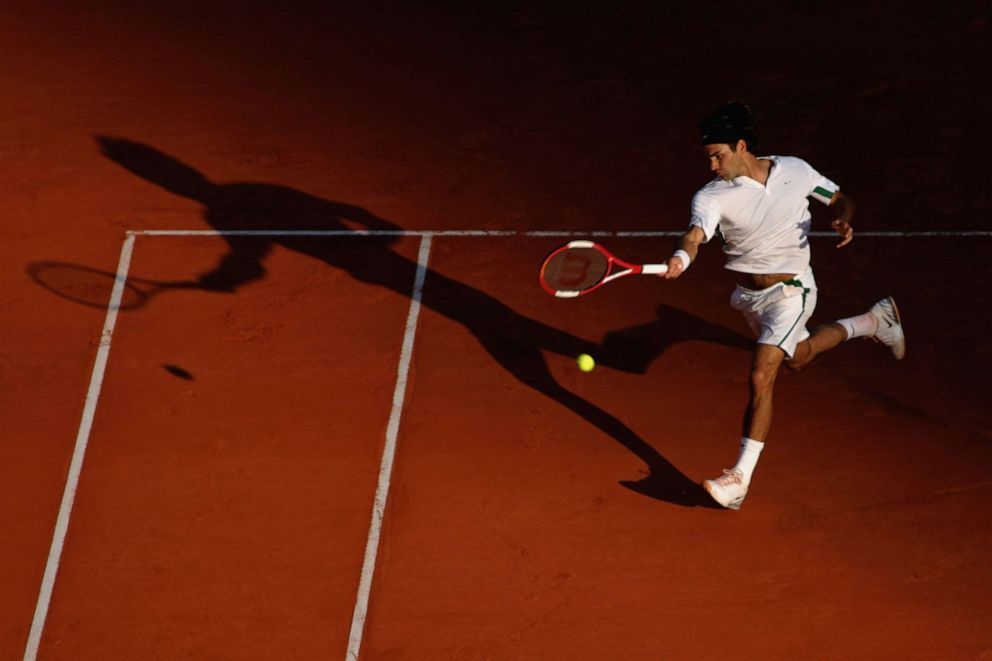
x,y
764,227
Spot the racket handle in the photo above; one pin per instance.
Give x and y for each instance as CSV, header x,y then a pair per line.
x,y
654,269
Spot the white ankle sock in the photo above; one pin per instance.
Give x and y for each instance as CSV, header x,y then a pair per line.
x,y
748,459
864,325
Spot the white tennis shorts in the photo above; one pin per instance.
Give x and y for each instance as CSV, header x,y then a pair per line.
x,y
778,314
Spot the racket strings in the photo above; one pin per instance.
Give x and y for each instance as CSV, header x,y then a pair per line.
x,y
576,269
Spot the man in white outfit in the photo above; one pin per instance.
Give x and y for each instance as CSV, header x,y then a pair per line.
x,y
759,206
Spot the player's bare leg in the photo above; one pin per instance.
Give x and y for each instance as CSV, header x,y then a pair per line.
x,y
730,489
764,368
824,338
881,323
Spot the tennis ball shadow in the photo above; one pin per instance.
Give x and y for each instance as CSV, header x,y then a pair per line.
x,y
177,371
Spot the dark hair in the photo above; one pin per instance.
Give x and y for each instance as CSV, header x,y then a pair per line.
x,y
729,123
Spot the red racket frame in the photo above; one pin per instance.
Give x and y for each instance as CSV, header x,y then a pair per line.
x,y
613,262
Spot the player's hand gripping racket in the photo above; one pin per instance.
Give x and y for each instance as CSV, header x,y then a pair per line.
x,y
93,287
580,267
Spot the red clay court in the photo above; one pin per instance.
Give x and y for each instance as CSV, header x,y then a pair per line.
x,y
366,437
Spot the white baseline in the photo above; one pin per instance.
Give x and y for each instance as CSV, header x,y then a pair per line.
x,y
534,233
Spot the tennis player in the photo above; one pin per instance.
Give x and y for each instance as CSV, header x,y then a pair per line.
x,y
759,207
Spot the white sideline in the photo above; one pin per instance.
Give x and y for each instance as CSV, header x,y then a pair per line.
x,y
78,453
388,454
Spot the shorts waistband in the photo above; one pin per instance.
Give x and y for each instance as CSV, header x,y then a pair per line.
x,y
794,280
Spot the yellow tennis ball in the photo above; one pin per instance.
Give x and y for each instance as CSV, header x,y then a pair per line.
x,y
585,362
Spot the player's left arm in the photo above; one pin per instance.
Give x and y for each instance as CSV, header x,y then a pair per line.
x,y
827,192
844,208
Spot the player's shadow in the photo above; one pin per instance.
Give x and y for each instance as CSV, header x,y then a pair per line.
x,y
516,342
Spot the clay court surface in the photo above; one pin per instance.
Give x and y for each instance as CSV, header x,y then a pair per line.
x,y
223,503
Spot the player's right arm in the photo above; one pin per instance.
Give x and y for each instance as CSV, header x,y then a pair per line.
x,y
688,243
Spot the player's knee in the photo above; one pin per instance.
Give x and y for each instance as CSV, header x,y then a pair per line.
x,y
762,379
802,356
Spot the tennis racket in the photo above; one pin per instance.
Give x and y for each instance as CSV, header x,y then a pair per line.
x,y
92,287
580,267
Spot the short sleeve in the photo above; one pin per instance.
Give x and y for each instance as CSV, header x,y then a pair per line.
x,y
705,214
821,189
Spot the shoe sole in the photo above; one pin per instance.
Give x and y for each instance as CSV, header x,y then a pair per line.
x,y
895,310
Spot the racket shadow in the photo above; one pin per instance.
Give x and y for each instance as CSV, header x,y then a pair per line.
x,y
516,342
93,287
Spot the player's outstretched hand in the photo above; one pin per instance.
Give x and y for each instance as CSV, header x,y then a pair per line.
x,y
674,268
844,230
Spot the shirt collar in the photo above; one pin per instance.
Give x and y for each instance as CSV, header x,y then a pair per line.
x,y
748,182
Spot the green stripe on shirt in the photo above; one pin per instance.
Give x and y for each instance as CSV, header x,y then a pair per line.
x,y
823,192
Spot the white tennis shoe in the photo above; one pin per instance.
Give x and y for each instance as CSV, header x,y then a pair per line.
x,y
889,330
729,489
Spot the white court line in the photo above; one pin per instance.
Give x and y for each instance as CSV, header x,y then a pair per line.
x,y
536,233
388,455
78,453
